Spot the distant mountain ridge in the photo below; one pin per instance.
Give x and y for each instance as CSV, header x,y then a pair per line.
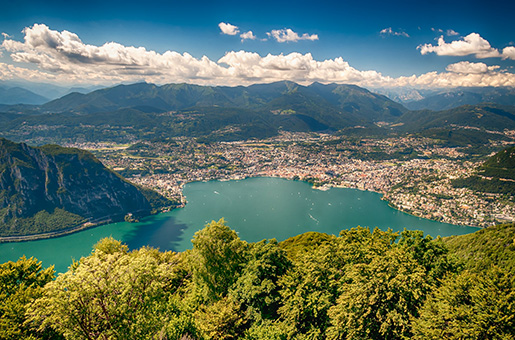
x,y
450,99
45,90
345,99
18,95
128,113
52,188
403,95
220,113
487,116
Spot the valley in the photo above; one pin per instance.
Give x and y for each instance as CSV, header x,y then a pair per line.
x,y
210,170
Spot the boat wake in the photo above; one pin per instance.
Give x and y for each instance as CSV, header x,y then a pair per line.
x,y
314,219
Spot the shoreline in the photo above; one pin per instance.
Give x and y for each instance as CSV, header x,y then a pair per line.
x,y
71,230
53,234
89,225
326,187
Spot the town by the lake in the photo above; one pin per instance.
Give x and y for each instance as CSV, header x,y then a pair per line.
x,y
414,174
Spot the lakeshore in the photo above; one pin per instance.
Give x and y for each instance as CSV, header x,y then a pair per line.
x,y
257,208
414,175
89,225
54,234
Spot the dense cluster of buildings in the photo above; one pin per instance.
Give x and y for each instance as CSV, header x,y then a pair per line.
x,y
413,174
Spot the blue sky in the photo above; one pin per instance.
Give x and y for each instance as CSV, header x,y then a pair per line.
x,y
369,43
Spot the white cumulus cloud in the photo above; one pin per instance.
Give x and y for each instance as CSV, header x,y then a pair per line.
x,y
301,68
228,29
248,36
288,35
471,44
451,33
451,79
62,57
508,53
466,67
389,31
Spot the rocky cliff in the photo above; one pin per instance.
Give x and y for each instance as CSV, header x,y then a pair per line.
x,y
51,188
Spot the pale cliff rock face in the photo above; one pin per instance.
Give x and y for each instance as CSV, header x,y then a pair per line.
x,y
36,179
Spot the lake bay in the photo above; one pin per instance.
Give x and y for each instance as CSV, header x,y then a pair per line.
x,y
257,208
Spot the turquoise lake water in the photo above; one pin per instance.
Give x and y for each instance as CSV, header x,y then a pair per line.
x,y
257,208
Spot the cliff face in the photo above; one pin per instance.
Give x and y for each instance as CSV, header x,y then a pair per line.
x,y
38,180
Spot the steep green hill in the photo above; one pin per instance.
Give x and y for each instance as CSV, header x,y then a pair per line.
x,y
492,246
53,188
483,116
500,165
496,175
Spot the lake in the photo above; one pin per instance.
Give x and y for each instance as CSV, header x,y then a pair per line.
x,y
257,208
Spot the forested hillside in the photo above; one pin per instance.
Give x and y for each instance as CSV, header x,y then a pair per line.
x,y
147,111
452,98
51,188
496,175
361,284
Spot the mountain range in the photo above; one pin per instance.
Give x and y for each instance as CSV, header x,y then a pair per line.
x,y
12,92
449,99
149,111
336,100
37,91
127,113
19,95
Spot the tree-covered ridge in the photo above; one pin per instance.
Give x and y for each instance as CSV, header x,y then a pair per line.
x,y
500,165
494,246
450,99
362,284
478,301
147,111
496,175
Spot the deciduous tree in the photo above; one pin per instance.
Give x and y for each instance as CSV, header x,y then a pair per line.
x,y
111,294
217,257
380,299
21,283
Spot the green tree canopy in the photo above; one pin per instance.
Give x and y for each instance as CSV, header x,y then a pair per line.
x,y
470,306
257,288
380,298
113,293
20,283
217,258
362,284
